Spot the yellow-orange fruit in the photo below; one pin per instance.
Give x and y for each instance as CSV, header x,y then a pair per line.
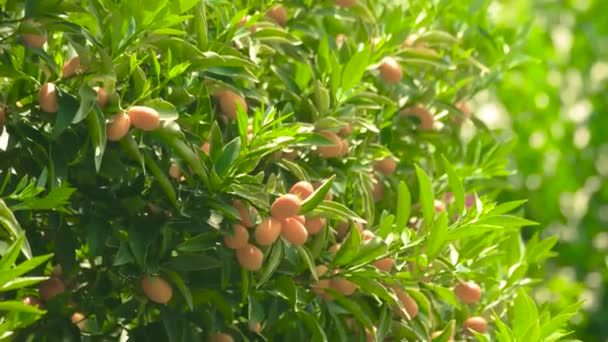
x,y
293,231
314,225
156,289
255,327
390,70
346,130
278,14
51,288
436,334
424,116
343,286
385,264
229,102
285,206
71,67
250,257
343,147
144,118
321,270
102,96
302,189
346,3
466,112
119,127
468,292
300,218
206,147
247,218
268,231
221,337
31,301
387,166
439,206
319,287
78,318
239,237
410,305
175,172
367,235
34,40
340,38
377,189
334,248
477,324
47,98
330,151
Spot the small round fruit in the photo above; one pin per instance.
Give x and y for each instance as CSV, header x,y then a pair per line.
x,y
71,67
385,264
367,235
387,166
410,305
334,248
343,147
294,232
340,38
377,189
221,337
175,172
51,288
247,217
102,96
239,237
346,130
466,112
278,14
321,270
426,119
79,319
255,327
156,289
330,151
468,292
300,218
438,206
346,3
319,287
285,206
476,323
314,225
144,118
390,70
229,103
250,257
343,286
268,231
438,333
206,147
119,127
47,98
31,301
34,40
302,189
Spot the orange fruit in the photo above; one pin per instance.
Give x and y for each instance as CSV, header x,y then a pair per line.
x,y
346,3
255,327
31,301
330,151
390,71
293,231
386,166
410,305
71,67
438,206
476,323
334,248
247,219
346,130
367,235
250,257
285,206
319,287
156,289
377,189
343,286
102,96
118,127
47,98
268,231
303,189
79,319
424,116
175,172
51,288
221,337
468,292
314,225
229,102
278,14
340,38
343,147
385,264
144,118
239,237
34,40
300,218
206,147
466,112
321,270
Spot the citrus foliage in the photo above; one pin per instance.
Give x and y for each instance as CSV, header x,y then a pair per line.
x,y
258,171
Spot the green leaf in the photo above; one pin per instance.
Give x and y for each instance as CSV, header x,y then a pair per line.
x,y
68,107
455,184
192,262
229,155
16,306
312,323
181,286
97,233
317,196
336,210
21,282
97,132
24,267
11,254
426,197
295,169
88,97
437,236
57,198
354,70
349,247
525,318
308,259
198,243
404,204
165,109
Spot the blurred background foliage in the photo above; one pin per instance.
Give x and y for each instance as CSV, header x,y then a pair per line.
x,y
556,106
